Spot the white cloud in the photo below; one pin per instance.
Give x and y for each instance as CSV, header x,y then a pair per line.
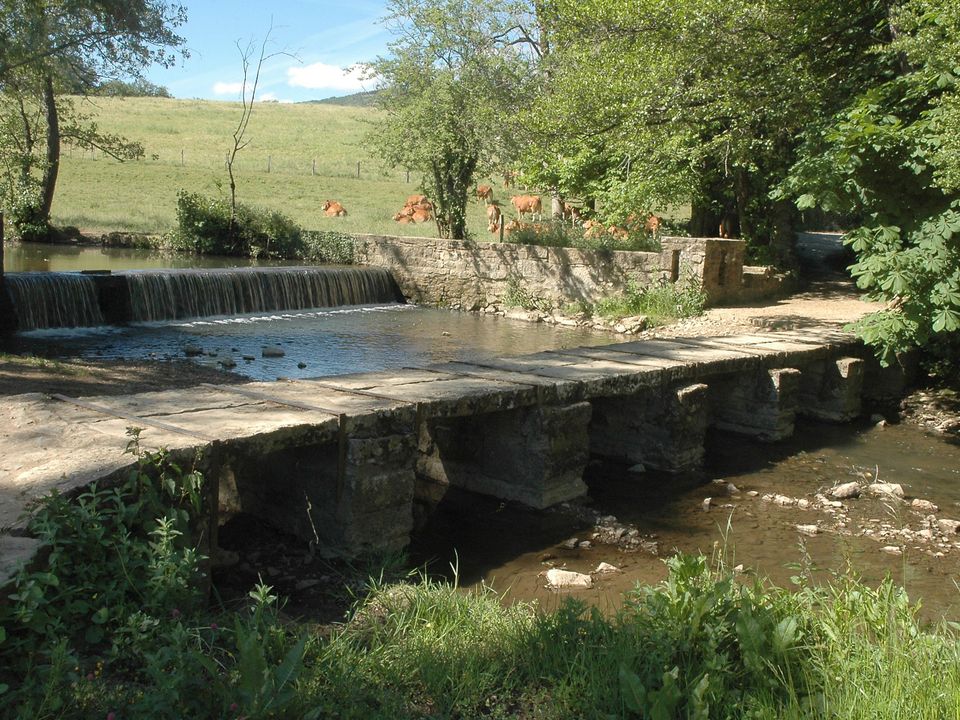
x,y
227,88
322,76
267,97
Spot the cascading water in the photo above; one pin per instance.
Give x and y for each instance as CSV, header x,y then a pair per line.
x,y
53,300
181,294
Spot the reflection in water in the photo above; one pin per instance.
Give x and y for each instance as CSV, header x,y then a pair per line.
x,y
508,547
331,341
23,257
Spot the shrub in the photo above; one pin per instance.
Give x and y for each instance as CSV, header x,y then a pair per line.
x,y
204,226
328,246
660,303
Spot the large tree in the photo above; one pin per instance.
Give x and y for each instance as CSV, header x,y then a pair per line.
x,y
456,71
695,102
49,45
891,159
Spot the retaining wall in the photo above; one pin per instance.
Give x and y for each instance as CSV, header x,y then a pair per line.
x,y
471,276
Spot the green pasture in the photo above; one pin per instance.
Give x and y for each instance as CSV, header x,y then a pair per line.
x,y
298,156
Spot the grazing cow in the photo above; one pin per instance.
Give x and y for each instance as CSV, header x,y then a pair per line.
x,y
527,204
494,218
572,213
513,225
652,225
485,193
331,208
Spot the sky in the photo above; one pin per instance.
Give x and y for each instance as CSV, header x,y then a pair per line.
x,y
313,41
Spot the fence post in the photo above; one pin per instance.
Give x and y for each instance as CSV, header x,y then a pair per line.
x,y
314,170
358,169
408,176
181,157
269,163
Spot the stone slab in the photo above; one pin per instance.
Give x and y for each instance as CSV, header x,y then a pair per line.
x,y
14,553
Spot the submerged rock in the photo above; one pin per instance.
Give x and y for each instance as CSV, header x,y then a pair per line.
x,y
271,352
567,579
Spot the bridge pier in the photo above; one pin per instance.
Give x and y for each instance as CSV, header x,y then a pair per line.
x,y
760,404
535,455
662,428
831,390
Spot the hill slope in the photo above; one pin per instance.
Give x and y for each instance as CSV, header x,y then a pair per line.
x,y
299,155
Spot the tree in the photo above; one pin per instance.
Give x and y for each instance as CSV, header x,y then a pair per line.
x,y
457,70
694,102
48,45
891,158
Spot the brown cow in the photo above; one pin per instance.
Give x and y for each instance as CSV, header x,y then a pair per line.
x,y
485,193
331,208
414,200
421,215
572,213
513,225
527,204
652,225
494,218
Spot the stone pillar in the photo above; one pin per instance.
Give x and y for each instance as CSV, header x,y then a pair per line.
x,y
762,405
351,495
831,390
661,428
534,455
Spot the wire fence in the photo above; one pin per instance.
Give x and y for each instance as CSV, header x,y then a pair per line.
x,y
265,163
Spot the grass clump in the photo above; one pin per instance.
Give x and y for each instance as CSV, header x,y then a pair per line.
x,y
555,233
661,303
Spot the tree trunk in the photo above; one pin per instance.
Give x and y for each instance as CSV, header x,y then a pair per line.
x,y
52,169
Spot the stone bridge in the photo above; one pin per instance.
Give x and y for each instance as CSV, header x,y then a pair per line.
x,y
343,460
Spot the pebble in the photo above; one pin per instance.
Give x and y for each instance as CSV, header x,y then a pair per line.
x,y
924,505
606,568
891,550
808,530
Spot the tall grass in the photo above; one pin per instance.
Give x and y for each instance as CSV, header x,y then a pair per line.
x,y
661,303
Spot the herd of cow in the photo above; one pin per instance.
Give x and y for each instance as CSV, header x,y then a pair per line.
x,y
418,209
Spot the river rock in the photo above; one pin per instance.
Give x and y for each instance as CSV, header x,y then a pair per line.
x,y
949,527
846,491
273,352
567,580
705,505
923,505
808,530
192,350
606,568
891,550
228,363
885,489
570,543
249,358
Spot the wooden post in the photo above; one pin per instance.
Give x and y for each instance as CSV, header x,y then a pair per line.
x,y
269,163
408,176
358,169
314,170
181,157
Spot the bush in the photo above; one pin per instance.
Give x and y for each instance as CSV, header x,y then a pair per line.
x,y
328,246
204,226
660,303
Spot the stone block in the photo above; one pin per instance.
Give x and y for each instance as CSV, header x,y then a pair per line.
x,y
760,404
831,390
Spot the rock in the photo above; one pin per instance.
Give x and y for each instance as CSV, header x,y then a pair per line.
x,y
923,505
273,352
846,491
810,530
192,350
308,583
567,580
803,503
949,527
301,365
752,493
877,418
570,543
585,545
705,505
891,550
732,489
738,569
228,363
638,468
885,489
249,358
606,568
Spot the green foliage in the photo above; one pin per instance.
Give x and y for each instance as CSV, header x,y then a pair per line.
x,y
455,72
886,159
661,303
328,246
204,225
554,233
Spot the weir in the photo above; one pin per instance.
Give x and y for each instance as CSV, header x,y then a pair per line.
x,y
63,300
343,461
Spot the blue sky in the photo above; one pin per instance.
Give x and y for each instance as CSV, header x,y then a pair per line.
x,y
324,35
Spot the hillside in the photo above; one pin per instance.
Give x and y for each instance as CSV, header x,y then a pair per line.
x,y
360,99
299,155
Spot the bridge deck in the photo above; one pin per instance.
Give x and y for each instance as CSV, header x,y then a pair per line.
x,y
54,442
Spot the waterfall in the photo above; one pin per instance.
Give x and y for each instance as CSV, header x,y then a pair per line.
x,y
53,300
176,294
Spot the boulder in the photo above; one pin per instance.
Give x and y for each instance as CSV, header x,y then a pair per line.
x,y
885,490
568,580
846,491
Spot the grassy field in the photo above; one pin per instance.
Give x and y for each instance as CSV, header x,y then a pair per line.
x,y
311,151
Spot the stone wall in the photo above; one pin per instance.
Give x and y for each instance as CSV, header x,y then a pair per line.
x,y
472,276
